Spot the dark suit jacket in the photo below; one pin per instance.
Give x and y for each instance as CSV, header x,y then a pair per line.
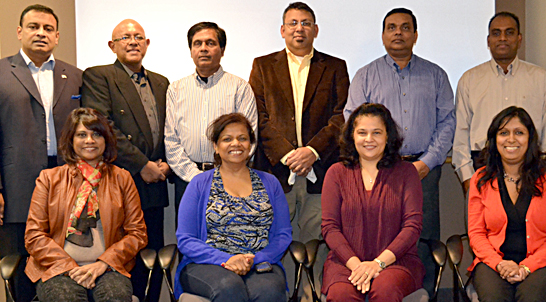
x,y
23,144
322,119
111,91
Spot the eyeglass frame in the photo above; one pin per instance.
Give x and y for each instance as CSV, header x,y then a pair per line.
x,y
127,38
295,23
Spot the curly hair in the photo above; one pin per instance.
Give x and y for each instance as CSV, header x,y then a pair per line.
x,y
348,153
218,125
533,166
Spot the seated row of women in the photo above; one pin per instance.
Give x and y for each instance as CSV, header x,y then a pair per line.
x,y
85,225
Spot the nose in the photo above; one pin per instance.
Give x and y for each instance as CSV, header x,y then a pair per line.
x,y
40,31
368,137
89,139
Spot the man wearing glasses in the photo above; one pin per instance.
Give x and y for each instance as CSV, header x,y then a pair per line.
x,y
300,94
133,99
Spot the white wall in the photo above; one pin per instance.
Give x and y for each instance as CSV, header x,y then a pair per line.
x,y
535,36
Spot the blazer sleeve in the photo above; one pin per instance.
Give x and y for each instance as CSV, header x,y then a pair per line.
x,y
134,228
96,95
280,234
38,241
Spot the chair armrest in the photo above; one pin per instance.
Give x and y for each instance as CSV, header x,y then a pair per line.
x,y
8,266
312,247
166,256
298,251
148,256
455,249
439,252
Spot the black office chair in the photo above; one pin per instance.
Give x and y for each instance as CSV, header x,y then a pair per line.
x,y
462,289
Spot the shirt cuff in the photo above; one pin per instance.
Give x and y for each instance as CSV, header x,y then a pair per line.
x,y
283,159
314,151
429,160
465,172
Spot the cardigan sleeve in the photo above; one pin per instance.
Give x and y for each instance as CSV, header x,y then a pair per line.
x,y
280,233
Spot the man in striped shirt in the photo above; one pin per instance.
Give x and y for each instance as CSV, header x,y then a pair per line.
x,y
198,99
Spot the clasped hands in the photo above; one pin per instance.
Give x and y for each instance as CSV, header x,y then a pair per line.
x,y
87,274
363,273
511,271
239,264
301,161
156,171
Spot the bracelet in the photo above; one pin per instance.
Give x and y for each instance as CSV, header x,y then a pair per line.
x,y
528,270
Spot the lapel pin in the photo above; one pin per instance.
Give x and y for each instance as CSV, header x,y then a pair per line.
x,y
63,76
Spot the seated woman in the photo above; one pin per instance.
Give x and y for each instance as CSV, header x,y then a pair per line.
x,y
233,224
371,213
85,225
507,212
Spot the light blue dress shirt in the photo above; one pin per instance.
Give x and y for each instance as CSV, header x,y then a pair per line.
x,y
419,98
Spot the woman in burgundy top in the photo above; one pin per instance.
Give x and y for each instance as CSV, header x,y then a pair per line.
x,y
371,213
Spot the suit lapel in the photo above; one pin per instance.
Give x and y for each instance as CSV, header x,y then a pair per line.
x,y
313,79
22,73
59,81
131,96
283,76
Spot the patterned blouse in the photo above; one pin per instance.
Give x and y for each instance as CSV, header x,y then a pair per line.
x,y
238,225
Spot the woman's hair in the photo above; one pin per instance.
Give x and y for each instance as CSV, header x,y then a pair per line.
x,y
92,120
533,166
218,125
348,154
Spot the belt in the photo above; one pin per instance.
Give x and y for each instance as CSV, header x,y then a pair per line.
x,y
412,158
205,166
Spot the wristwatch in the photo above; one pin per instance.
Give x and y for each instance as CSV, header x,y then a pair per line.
x,y
382,264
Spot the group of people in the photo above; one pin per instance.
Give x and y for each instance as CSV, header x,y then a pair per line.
x,y
84,189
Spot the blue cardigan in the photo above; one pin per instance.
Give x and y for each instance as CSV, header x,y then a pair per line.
x,y
192,227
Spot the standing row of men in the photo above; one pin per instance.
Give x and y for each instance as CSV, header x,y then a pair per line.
x,y
295,99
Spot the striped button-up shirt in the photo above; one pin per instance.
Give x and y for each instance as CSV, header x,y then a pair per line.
x,y
192,105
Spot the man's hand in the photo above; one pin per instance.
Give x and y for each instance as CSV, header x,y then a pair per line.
x,y
422,169
87,274
466,186
239,264
164,167
301,161
151,173
1,209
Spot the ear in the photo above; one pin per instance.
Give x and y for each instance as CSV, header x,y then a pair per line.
x,y
215,148
316,30
282,31
519,41
19,32
112,46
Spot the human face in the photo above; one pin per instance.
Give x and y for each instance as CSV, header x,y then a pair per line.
x,y
370,137
504,39
299,39
399,35
233,144
89,145
206,52
130,52
38,36
512,142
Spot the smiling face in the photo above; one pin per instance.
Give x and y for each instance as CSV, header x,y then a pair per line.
x,y
38,36
206,52
399,35
513,141
129,43
370,136
504,40
233,144
299,39
89,145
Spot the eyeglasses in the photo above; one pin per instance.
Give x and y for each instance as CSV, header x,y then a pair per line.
x,y
127,39
304,24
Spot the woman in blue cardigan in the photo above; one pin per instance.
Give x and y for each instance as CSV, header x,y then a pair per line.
x,y
233,224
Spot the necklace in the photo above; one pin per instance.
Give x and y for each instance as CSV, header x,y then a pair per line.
x,y
509,178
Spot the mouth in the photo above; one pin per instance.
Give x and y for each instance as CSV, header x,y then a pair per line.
x,y
235,152
511,148
40,42
369,147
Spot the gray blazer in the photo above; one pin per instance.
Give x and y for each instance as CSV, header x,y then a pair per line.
x,y
23,147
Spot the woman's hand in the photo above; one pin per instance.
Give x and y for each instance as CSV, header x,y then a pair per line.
x,y
519,277
239,264
87,274
362,273
507,268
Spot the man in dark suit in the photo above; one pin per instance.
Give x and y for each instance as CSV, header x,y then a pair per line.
x,y
37,92
300,94
133,99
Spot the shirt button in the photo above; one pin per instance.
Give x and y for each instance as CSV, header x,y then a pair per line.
x,y
404,94
405,111
506,99
403,78
528,237
526,220
406,128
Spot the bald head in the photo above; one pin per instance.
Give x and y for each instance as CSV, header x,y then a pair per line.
x,y
129,43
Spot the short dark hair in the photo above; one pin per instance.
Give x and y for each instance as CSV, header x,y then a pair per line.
x,y
348,153
38,8
218,125
299,6
401,10
220,33
533,166
92,120
505,14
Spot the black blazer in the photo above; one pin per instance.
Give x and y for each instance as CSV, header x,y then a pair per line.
x,y
111,91
23,146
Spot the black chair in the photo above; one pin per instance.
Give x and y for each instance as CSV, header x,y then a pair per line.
x,y
462,289
8,267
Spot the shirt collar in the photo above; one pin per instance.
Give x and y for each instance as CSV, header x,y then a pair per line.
x,y
512,68
212,79
308,56
390,61
28,61
130,72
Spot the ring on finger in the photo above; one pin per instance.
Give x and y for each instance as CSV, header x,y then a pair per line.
x,y
90,274
366,273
